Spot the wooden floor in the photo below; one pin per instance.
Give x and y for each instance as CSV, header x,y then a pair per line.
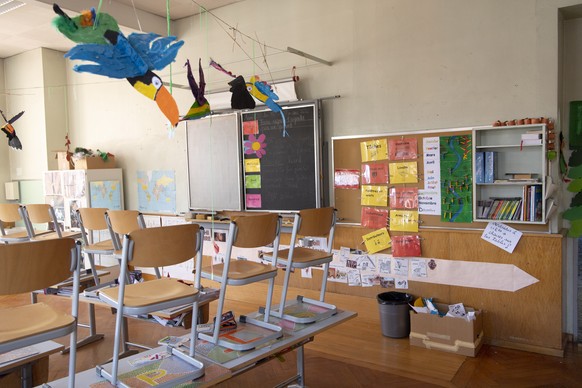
x,y
354,354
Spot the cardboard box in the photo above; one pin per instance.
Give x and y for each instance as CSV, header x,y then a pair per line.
x,y
62,162
94,163
455,335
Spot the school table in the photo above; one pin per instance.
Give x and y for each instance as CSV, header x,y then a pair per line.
x,y
24,360
293,339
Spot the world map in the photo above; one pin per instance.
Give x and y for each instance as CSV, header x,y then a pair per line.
x,y
156,191
106,194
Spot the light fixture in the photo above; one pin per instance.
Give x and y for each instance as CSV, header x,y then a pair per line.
x,y
9,5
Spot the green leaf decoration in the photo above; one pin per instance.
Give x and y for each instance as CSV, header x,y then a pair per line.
x,y
575,158
575,229
577,200
575,186
573,214
575,172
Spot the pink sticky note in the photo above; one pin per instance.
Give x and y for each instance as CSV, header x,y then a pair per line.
x,y
253,200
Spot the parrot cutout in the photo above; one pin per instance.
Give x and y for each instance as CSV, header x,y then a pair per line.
x,y
200,107
240,98
8,129
263,92
113,55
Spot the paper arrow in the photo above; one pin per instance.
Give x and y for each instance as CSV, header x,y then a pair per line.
x,y
490,276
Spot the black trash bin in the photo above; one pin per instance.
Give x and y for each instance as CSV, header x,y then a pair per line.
x,y
394,315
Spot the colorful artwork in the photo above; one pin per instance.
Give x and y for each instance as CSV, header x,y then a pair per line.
x,y
456,178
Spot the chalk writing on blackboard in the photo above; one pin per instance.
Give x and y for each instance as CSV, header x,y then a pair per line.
x,y
501,236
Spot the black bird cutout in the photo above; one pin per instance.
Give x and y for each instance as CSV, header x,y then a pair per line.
x,y
8,129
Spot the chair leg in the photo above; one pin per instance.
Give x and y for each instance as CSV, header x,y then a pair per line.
x,y
219,309
72,358
324,282
284,291
193,333
269,299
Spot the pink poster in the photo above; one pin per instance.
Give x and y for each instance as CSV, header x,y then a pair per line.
x,y
253,201
403,197
402,149
406,246
374,218
373,173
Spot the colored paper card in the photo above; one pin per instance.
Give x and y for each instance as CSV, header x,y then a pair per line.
x,y
253,165
253,201
377,240
253,181
402,149
502,236
374,150
374,173
374,195
404,197
250,127
374,218
404,220
403,172
346,179
406,246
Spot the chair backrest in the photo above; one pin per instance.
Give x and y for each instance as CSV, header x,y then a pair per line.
x,y
316,222
9,212
164,246
40,213
122,222
256,230
92,218
31,266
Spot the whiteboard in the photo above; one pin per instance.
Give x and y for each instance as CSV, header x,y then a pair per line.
x,y
214,163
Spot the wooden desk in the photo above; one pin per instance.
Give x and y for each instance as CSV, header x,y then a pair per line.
x,y
218,372
27,370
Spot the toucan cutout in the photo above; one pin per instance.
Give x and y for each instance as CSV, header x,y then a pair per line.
x,y
8,129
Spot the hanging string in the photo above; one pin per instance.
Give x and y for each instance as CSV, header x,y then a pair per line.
x,y
168,23
136,17
97,15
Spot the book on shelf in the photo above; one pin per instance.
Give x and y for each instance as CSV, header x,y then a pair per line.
x,y
531,142
535,131
479,167
531,136
490,166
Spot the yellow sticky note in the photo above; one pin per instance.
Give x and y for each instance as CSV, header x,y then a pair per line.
x,y
377,240
404,220
374,195
253,165
374,150
405,172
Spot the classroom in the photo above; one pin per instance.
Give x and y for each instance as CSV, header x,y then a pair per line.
x,y
444,134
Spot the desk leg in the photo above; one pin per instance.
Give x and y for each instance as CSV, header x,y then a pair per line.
x,y
93,336
26,376
300,367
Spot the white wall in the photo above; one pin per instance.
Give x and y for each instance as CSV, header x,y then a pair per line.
x,y
4,159
397,65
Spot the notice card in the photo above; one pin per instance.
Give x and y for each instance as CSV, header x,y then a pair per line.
x,y
374,173
404,197
404,220
250,127
253,181
402,149
404,172
253,201
374,218
346,179
377,240
374,150
501,236
253,165
406,246
374,195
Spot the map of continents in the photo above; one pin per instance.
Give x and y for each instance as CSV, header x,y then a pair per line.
x,y
156,191
105,194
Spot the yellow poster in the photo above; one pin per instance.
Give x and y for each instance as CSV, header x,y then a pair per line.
x,y
374,150
374,195
253,165
377,240
404,220
405,172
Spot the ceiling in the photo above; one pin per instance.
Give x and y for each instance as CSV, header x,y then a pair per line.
x,y
29,27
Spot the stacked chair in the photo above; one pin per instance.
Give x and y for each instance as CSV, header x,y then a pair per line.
x,y
155,247
34,214
10,213
245,232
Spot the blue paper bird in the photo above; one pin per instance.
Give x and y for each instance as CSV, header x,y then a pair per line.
x,y
262,92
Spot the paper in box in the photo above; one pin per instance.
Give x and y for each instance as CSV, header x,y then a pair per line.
x,y
449,334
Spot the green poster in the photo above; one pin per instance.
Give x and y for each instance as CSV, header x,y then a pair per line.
x,y
456,179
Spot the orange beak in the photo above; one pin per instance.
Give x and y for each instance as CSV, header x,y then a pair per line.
x,y
168,105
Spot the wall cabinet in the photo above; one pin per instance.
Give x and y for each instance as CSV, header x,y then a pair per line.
x,y
511,182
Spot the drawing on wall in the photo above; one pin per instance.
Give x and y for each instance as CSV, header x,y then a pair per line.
x,y
156,191
456,178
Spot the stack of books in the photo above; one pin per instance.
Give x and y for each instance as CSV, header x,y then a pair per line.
x,y
531,138
508,209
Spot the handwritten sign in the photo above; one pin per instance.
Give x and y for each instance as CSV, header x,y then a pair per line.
x,y
253,165
501,236
253,181
403,172
253,200
374,173
374,195
377,241
402,149
374,150
404,220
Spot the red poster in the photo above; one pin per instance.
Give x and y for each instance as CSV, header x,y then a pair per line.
x,y
373,173
402,149
403,198
346,179
406,246
374,218
250,127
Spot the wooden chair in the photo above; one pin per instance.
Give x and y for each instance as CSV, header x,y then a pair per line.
x,y
318,222
153,247
30,266
10,212
246,232
34,214
93,220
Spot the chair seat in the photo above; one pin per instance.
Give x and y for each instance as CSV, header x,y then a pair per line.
x,y
40,318
103,247
305,257
241,270
151,292
48,235
16,236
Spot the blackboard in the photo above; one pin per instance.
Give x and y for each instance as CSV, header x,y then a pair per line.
x,y
214,163
290,170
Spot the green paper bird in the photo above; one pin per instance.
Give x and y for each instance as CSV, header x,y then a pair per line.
x,y
86,27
